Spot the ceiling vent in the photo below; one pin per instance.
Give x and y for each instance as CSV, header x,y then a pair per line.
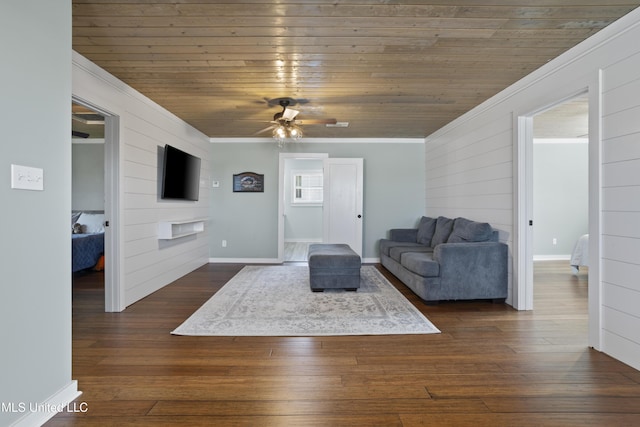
x,y
338,125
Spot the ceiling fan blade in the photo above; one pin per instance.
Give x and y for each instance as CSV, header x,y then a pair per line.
x,y
289,114
79,134
264,130
316,122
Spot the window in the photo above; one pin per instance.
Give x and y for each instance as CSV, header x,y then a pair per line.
x,y
307,187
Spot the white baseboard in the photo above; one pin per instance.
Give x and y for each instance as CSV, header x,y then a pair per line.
x,y
309,240
551,257
269,261
36,414
244,261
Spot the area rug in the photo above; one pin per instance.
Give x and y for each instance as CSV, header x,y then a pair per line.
x,y
277,301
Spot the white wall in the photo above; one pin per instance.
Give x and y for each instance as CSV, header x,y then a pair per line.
x,y
147,264
35,248
470,167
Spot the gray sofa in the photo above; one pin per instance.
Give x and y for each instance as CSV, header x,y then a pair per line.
x,y
448,259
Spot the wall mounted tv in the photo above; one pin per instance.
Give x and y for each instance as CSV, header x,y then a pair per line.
x,y
180,175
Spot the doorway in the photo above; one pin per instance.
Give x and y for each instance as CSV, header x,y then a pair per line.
x,y
305,221
303,202
342,200
110,142
561,203
523,287
87,197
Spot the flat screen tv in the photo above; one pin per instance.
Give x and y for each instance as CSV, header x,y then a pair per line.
x,y
180,175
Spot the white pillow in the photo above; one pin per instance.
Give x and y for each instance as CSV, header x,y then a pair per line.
x,y
93,223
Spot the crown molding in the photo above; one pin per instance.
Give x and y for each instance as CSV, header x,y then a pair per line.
x,y
320,141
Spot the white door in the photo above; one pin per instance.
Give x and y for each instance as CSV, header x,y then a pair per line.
x,y
342,222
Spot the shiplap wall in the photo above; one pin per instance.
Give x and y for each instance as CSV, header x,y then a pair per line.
x,y
469,174
621,208
470,167
146,263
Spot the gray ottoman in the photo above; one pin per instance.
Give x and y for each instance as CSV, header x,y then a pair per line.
x,y
333,266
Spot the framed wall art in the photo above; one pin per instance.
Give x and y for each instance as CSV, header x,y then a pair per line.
x,y
248,182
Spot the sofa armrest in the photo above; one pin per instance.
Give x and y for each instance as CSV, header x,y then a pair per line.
x,y
477,270
403,234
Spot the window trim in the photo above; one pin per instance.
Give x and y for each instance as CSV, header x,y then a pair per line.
x,y
310,173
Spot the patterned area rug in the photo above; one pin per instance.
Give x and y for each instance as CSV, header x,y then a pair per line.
x,y
277,301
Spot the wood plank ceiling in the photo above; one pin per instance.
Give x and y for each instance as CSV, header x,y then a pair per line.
x,y
390,68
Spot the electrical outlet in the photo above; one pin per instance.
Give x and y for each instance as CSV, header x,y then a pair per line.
x,y
224,243
555,241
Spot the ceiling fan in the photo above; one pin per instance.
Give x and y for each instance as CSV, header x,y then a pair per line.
x,y
285,124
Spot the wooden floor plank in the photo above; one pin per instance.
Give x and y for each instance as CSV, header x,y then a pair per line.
x,y
312,407
491,365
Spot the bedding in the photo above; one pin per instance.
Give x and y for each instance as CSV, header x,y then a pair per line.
x,y
87,246
86,250
580,254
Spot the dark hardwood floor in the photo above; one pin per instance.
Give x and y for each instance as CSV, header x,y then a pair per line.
x,y
490,366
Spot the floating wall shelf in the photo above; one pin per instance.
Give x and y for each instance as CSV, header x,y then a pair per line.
x,y
168,230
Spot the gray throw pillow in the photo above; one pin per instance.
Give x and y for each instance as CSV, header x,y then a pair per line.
x,y
426,228
443,230
465,230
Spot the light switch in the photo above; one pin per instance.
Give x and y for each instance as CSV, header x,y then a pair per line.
x,y
27,178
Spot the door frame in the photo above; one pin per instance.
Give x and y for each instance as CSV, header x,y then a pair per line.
x,y
523,206
113,292
281,196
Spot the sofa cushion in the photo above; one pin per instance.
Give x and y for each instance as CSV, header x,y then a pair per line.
x,y
397,251
421,263
465,230
426,228
404,234
387,244
442,232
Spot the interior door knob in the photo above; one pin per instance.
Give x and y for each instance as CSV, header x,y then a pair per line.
x,y
359,216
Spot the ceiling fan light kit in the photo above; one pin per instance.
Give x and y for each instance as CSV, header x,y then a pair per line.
x,y
285,131
284,125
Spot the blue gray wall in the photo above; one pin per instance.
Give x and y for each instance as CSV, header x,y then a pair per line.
x,y
560,196
35,248
393,193
87,176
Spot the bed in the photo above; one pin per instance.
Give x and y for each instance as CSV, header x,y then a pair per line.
x,y
87,239
86,250
580,254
